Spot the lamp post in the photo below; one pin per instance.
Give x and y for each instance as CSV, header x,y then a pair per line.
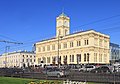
x,y
58,51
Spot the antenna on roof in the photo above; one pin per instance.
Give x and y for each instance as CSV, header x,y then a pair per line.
x,y
63,10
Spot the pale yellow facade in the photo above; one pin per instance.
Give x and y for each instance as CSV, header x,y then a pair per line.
x,y
79,48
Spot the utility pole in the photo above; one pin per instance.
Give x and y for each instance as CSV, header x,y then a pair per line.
x,y
7,48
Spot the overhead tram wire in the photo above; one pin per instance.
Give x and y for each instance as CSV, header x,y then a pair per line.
x,y
104,19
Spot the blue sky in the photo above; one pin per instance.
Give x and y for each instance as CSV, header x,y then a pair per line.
x,y
29,21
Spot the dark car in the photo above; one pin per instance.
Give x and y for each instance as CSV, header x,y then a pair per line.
x,y
101,69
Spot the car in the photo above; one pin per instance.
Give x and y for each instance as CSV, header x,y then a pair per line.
x,y
101,69
56,72
87,68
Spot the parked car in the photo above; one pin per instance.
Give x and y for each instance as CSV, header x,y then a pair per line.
x,y
101,69
87,68
57,72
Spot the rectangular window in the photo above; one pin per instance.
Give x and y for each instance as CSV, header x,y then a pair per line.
x,y
30,60
78,58
65,45
39,49
26,60
100,43
44,48
48,47
100,57
86,42
48,59
23,60
84,57
72,58
53,47
95,57
78,43
71,44
39,60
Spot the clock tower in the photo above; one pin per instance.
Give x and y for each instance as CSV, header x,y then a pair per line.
x,y
62,25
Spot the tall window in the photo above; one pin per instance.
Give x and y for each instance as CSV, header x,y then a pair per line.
x,y
100,57
39,49
44,59
72,58
39,60
53,47
48,47
86,41
43,48
48,59
84,57
78,58
88,57
100,43
71,44
65,45
78,43
95,57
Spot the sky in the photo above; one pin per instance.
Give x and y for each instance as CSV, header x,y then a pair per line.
x,y
29,21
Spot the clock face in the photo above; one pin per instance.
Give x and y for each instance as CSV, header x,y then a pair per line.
x,y
59,23
65,23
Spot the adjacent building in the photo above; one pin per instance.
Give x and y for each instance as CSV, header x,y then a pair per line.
x,y
84,47
17,59
114,52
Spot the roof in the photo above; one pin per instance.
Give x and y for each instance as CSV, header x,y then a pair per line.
x,y
67,35
29,52
63,14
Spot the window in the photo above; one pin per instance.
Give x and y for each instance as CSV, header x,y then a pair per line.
x,y
100,57
26,60
39,49
44,59
34,60
86,42
105,57
23,60
71,44
53,47
48,59
23,55
39,60
48,48
78,58
100,43
30,60
95,57
65,45
72,58
88,57
84,57
78,43
44,48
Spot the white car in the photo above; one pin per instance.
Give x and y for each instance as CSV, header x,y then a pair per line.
x,y
87,68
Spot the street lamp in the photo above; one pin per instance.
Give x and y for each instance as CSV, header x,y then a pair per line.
x,y
58,51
